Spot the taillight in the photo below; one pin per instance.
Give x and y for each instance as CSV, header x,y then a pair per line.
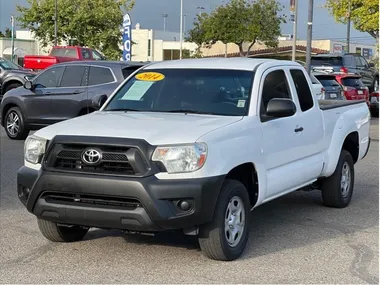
x,y
345,88
344,70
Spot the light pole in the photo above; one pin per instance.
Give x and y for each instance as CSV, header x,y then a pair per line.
x,y
309,35
13,37
164,16
55,23
348,26
295,14
181,31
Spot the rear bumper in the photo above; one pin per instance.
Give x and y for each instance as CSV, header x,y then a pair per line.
x,y
146,204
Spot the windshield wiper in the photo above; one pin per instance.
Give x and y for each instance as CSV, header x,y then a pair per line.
x,y
188,112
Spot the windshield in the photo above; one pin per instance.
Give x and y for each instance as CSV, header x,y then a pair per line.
x,y
8,65
327,60
201,91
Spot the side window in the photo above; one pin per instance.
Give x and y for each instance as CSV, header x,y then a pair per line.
x,y
100,75
275,86
305,96
363,61
96,55
73,76
85,53
129,70
358,62
49,78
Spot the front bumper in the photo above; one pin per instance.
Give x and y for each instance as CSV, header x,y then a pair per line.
x,y
139,204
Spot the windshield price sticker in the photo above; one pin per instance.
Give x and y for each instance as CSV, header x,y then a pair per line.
x,y
150,76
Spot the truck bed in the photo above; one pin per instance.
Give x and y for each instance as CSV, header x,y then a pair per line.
x,y
332,104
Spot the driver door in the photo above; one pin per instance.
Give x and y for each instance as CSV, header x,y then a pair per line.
x,y
38,102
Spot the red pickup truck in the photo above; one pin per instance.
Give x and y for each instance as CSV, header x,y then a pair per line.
x,y
60,54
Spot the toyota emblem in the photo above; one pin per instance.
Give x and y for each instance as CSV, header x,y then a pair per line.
x,y
91,156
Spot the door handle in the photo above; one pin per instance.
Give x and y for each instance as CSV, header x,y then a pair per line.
x,y
77,92
300,129
48,93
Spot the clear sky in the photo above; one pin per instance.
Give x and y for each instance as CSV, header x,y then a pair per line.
x,y
148,14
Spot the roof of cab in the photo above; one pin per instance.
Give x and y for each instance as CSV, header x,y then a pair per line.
x,y
237,63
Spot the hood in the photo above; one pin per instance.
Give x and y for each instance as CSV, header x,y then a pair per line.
x,y
21,72
155,128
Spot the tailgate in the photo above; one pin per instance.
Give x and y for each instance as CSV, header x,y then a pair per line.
x,y
39,62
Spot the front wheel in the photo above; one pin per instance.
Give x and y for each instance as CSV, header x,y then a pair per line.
x,y
226,236
338,188
14,124
56,233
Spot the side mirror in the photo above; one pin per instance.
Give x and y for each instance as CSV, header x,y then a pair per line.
x,y
371,64
279,107
28,85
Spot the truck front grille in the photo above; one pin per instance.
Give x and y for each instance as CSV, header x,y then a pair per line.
x,y
114,160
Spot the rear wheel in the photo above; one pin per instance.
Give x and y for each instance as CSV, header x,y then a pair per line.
x,y
338,188
14,124
53,232
226,236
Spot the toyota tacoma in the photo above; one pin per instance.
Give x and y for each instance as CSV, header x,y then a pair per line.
x,y
193,145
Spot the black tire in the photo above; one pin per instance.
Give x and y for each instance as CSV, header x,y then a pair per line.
x,y
22,132
12,86
213,236
56,233
332,193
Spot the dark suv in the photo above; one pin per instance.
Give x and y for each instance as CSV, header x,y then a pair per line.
x,y
348,63
61,92
12,76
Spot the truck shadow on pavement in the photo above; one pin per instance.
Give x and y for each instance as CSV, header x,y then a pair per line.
x,y
293,221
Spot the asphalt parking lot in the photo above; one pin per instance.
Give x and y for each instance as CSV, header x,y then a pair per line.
x,y
294,239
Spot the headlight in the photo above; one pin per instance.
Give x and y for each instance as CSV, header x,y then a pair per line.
x,y
34,149
181,158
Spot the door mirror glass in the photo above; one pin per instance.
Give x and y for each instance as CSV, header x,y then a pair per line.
x,y
281,107
28,85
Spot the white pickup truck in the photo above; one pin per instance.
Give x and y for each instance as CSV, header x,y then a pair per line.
x,y
193,145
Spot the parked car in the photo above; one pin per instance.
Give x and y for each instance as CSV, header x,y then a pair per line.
x,y
374,103
353,87
61,92
318,88
12,76
348,63
193,145
60,54
332,89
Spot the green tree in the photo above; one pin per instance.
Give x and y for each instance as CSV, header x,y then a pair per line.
x,y
240,22
364,14
92,23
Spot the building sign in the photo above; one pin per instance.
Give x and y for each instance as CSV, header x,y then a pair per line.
x,y
127,38
367,53
358,50
337,49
